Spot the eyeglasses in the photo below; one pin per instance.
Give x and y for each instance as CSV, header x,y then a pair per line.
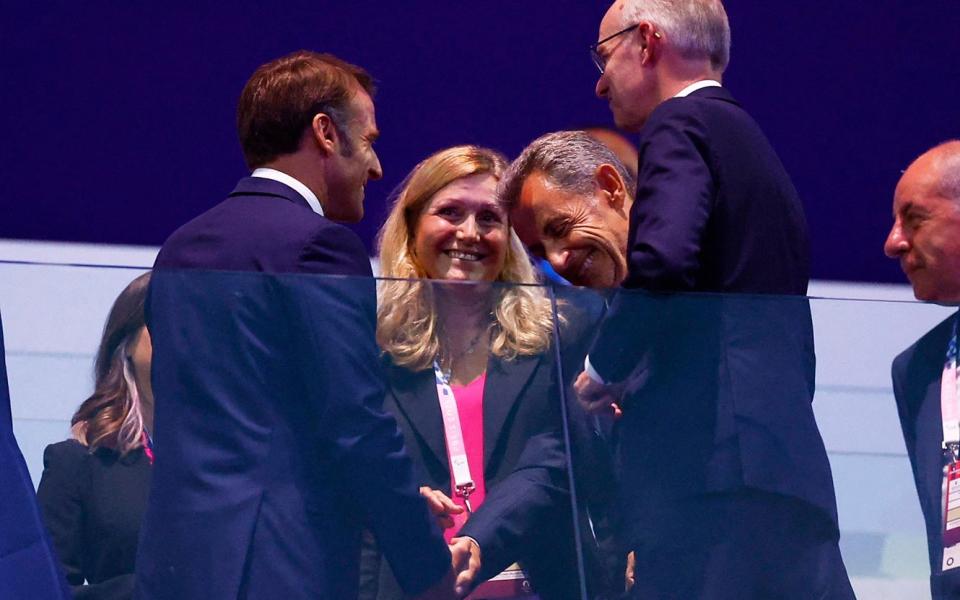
x,y
601,60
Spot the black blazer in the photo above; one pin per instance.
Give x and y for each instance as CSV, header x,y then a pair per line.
x,y
93,505
916,385
270,437
28,564
724,383
526,515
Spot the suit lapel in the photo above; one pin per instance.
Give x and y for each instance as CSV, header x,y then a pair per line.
x,y
416,395
504,386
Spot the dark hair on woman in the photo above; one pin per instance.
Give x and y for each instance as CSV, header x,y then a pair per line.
x,y
111,417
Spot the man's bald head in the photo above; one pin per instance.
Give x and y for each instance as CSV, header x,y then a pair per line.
x,y
925,236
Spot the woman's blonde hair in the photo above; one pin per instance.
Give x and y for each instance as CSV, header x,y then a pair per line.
x,y
407,327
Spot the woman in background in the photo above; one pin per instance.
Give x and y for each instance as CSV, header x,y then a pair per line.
x,y
473,336
93,491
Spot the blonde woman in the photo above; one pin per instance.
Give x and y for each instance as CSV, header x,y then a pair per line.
x,y
473,335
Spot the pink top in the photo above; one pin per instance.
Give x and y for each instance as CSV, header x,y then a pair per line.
x,y
470,407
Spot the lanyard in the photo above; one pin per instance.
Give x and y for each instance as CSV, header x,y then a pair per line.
x,y
456,448
147,445
950,399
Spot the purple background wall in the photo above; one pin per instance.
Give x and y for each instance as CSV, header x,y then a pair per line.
x,y
119,119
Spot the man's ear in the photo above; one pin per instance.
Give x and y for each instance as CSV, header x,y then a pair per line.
x,y
324,133
650,40
611,186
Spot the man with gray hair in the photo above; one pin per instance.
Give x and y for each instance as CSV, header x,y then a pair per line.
x,y
925,237
569,198
725,480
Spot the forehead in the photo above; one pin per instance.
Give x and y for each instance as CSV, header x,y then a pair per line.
x,y
541,200
612,20
918,184
362,111
479,188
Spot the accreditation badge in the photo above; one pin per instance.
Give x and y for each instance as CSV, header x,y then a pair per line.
x,y
951,518
511,584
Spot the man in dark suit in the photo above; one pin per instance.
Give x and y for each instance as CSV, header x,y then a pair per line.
x,y
925,237
29,568
272,446
725,479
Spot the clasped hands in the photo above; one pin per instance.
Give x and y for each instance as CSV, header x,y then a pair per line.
x,y
464,551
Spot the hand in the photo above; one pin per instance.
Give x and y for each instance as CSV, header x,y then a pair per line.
x,y
441,506
597,398
628,579
465,554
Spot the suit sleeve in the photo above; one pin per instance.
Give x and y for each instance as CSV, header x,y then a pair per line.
x,y
675,196
336,316
61,501
531,500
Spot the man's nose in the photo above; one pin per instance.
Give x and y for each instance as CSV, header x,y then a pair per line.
x,y
375,171
558,257
601,87
896,243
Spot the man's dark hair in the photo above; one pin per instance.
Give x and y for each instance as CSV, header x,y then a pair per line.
x,y
281,98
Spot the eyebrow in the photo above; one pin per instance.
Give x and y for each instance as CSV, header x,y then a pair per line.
x,y
374,135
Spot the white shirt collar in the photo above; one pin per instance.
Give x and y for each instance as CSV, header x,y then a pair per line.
x,y
297,186
699,85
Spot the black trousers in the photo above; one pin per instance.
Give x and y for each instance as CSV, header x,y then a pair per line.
x,y
740,546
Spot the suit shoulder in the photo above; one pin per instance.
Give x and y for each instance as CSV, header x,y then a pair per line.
x,y
68,453
929,349
334,249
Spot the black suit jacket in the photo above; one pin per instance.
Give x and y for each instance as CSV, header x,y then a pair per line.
x,y
93,505
916,385
526,515
723,383
271,442
28,565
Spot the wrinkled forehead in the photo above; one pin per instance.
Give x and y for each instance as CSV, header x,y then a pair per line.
x,y
919,180
542,200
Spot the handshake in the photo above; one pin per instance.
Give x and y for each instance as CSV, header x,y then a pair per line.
x,y
464,551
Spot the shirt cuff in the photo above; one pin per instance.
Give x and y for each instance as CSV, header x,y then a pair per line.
x,y
591,372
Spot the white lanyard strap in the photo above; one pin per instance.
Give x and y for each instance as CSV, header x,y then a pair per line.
x,y
452,431
950,398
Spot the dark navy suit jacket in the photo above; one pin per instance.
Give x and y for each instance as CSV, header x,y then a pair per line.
x,y
722,384
272,447
29,568
916,385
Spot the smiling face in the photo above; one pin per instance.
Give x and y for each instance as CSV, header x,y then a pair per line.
x,y
355,161
584,238
462,232
925,236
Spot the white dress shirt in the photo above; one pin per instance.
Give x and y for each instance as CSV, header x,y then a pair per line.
x,y
293,182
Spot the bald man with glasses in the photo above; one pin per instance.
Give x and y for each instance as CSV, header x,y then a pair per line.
x,y
726,485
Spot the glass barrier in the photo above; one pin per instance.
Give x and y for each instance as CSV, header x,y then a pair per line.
x,y
269,427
